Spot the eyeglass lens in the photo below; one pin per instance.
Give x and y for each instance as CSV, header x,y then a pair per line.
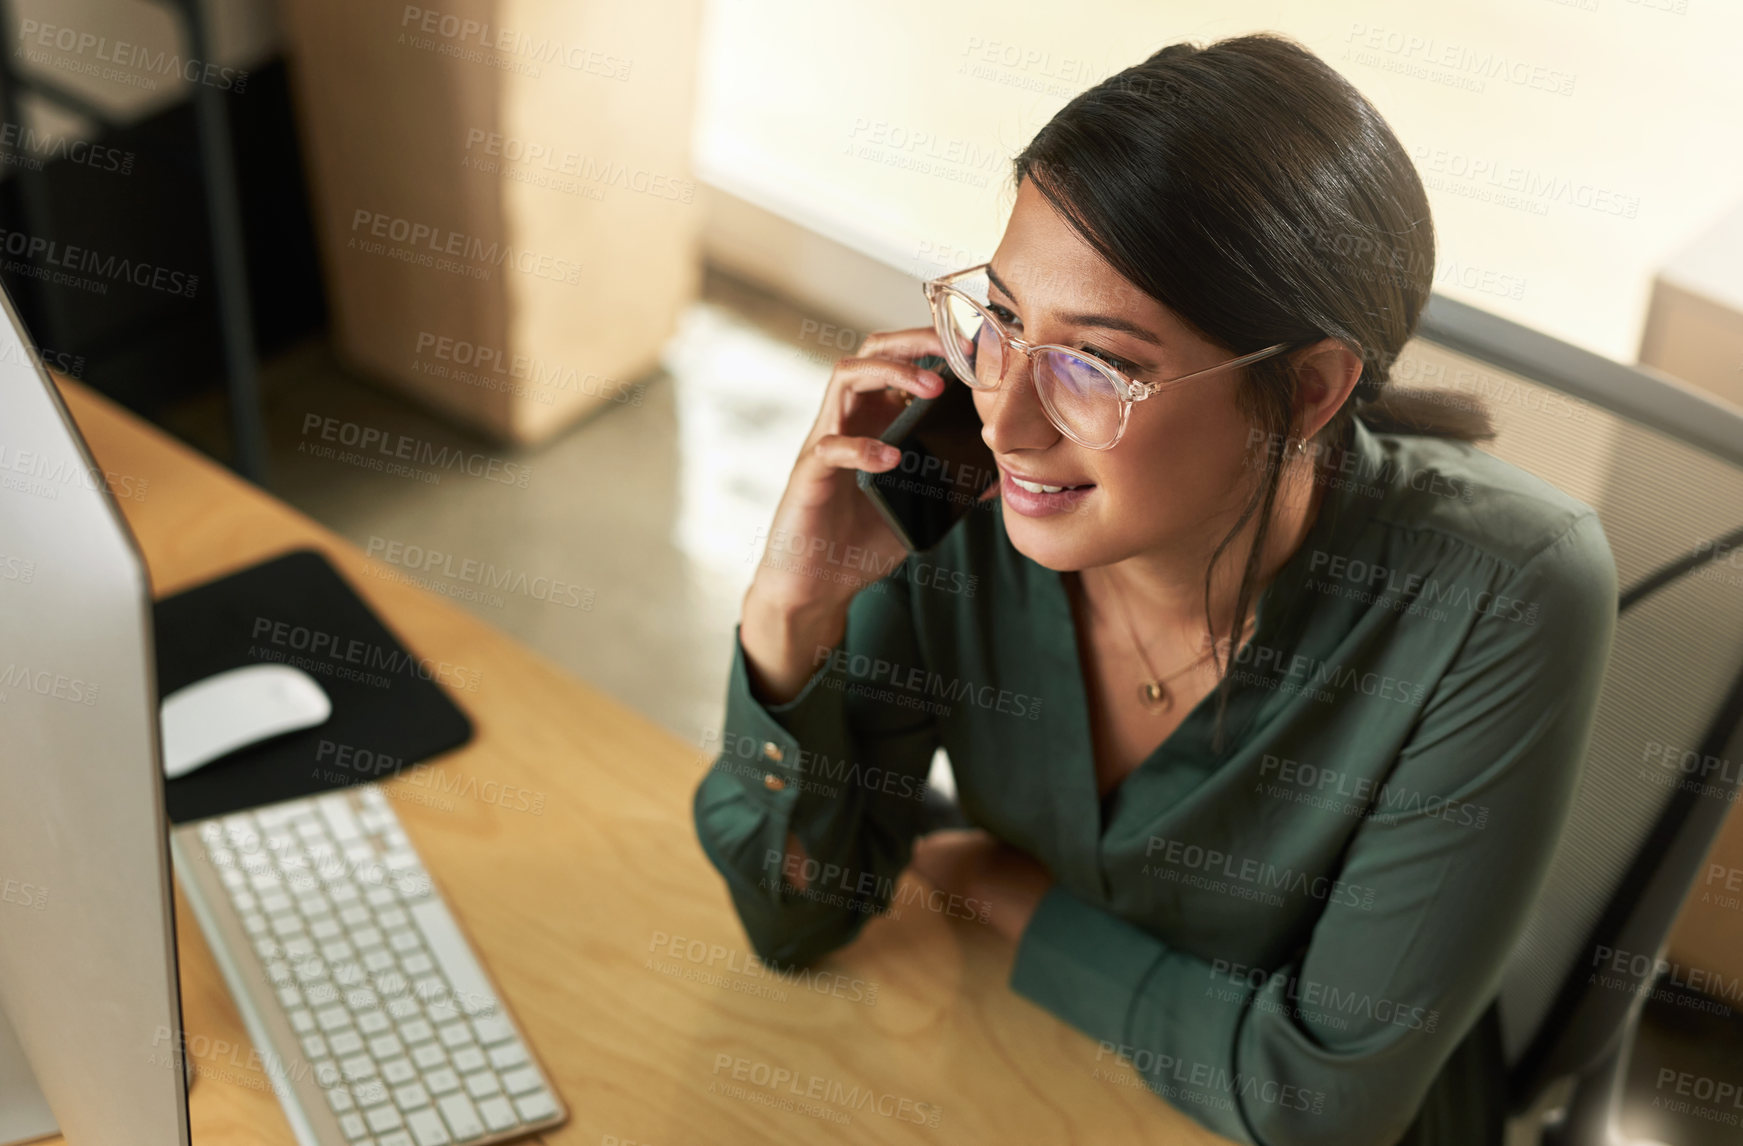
x,y
1079,398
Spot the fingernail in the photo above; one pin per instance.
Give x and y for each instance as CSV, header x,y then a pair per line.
x,y
933,376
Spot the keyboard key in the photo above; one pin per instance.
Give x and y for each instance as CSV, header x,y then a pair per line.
x,y
380,896
312,969
333,1018
370,1092
426,1126
403,1008
521,1081
361,999
373,1022
337,951
298,947
320,994
384,1118
471,989
336,810
268,948
386,1046
395,1138
340,1100
345,1043
283,925
535,1106
314,1046
411,1096
303,1021
352,1125
327,1074
366,937
289,997
357,1066
355,915
442,1080
429,1056
456,1035
399,1071
503,1057
492,1029
498,1114
326,929
418,964
392,983
482,1085
413,885
392,919
343,895
461,1116
255,923
469,1059
405,940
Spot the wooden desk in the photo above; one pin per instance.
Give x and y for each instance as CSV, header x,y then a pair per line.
x,y
566,905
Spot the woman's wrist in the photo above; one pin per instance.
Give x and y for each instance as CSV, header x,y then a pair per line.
x,y
785,641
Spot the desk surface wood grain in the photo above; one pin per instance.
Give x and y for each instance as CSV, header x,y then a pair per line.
x,y
578,876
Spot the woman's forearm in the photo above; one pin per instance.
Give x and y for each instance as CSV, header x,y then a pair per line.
x,y
784,642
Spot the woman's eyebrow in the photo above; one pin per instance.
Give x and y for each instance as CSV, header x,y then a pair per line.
x,y
1104,321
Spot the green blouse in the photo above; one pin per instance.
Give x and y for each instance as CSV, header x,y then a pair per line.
x,y
1288,937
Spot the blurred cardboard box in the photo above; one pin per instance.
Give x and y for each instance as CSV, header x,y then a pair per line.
x,y
507,217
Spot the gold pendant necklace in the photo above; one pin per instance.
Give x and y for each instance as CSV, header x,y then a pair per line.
x,y
1153,693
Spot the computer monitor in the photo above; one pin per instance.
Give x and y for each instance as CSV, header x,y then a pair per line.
x,y
90,1007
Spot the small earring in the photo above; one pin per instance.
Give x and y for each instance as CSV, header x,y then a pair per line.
x,y
1300,446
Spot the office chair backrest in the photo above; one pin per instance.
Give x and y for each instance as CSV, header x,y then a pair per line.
x,y
1663,466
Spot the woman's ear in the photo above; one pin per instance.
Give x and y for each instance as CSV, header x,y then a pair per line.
x,y
1326,374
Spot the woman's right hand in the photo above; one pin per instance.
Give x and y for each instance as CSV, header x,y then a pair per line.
x,y
827,540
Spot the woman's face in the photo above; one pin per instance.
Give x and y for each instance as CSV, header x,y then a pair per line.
x,y
1175,483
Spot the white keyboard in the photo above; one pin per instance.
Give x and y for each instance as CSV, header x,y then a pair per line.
x,y
377,1025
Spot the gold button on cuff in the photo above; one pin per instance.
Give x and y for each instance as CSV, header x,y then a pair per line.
x,y
772,751
773,782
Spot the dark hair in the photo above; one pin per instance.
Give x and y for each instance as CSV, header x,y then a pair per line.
x,y
1249,188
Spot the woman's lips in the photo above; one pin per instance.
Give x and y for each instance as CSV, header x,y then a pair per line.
x,y
1030,503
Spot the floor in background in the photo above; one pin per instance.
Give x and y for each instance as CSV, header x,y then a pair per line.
x,y
650,515
654,513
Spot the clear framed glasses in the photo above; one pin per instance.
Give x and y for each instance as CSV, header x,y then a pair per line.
x,y
1086,399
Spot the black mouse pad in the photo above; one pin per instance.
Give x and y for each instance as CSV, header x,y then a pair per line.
x,y
391,708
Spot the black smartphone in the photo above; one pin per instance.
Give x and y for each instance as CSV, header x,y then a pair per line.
x,y
945,466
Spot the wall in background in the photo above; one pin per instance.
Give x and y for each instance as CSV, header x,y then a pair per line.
x,y
1569,146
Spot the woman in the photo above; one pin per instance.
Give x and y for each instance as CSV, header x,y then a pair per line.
x,y
1268,701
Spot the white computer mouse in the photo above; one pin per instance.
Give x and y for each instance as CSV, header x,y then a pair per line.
x,y
232,709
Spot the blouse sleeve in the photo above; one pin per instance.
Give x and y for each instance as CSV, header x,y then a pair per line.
x,y
1341,1045
843,765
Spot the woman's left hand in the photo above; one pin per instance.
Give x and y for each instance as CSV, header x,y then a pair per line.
x,y
976,865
